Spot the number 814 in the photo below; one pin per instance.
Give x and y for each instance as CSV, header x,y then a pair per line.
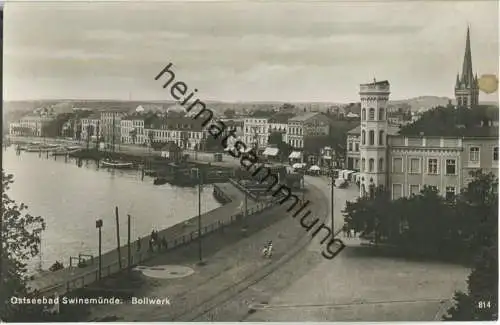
x,y
484,304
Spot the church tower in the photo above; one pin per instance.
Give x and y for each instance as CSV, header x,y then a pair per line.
x,y
466,85
373,143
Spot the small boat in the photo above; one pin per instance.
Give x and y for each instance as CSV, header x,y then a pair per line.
x,y
116,164
32,149
64,152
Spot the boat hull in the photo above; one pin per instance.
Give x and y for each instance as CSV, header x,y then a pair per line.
x,y
117,165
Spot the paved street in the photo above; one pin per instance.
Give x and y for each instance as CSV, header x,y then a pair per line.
x,y
232,259
355,286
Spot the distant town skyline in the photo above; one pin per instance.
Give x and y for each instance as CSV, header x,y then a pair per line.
x,y
238,51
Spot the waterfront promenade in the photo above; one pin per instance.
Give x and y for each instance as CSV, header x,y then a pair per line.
x,y
234,262
71,278
199,156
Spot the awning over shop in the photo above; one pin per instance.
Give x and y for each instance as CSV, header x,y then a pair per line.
x,y
270,151
295,155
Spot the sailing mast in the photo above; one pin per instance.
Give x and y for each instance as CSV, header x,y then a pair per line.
x,y
113,138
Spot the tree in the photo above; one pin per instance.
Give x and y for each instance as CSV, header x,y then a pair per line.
x,y
479,202
20,241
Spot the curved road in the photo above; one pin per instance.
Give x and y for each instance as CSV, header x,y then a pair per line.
x,y
355,286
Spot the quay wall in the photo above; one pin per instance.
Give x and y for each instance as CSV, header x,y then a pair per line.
x,y
69,279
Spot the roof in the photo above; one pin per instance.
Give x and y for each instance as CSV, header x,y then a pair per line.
x,y
93,116
305,116
377,83
356,130
281,117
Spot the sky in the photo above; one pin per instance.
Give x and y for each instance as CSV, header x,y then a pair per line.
x,y
294,51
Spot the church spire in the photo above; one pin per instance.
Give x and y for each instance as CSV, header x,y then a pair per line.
x,y
467,75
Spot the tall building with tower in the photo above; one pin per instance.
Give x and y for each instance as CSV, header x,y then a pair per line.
x,y
466,85
373,148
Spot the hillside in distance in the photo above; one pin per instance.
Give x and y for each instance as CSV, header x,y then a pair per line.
x,y
414,104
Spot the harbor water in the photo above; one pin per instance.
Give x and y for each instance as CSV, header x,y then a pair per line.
x,y
71,198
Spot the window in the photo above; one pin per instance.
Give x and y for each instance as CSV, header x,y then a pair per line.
x,y
414,165
397,191
397,165
371,164
381,164
414,189
495,154
363,165
363,137
371,115
474,154
372,137
350,146
432,166
381,138
363,114
380,114
451,166
356,146
450,192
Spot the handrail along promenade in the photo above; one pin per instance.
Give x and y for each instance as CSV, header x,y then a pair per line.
x,y
181,237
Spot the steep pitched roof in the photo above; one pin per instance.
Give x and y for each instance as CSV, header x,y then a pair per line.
x,y
304,117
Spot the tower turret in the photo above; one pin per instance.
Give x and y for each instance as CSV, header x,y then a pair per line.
x,y
466,88
373,147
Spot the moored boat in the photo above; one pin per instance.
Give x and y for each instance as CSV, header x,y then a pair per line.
x,y
116,164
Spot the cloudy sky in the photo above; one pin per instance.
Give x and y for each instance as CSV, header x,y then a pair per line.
x,y
244,51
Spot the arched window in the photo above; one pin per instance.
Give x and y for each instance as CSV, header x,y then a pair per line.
x,y
380,114
363,114
371,164
371,115
381,138
371,136
381,165
363,137
363,165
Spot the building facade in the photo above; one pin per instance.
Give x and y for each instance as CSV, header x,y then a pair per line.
x,y
110,125
373,147
91,126
352,151
256,131
132,130
306,126
31,125
466,85
440,162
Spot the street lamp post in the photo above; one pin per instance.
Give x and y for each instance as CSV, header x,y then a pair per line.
x,y
98,225
332,198
200,256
